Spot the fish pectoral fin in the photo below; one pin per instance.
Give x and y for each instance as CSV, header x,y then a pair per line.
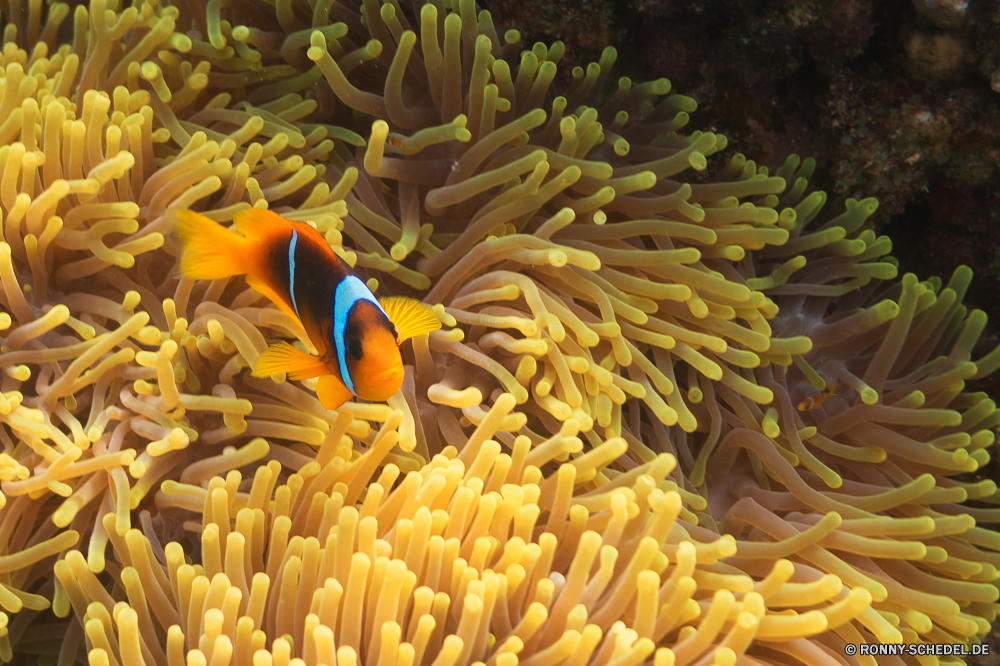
x,y
284,358
331,392
411,317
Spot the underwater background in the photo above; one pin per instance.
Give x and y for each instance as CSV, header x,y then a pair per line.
x,y
715,382
896,99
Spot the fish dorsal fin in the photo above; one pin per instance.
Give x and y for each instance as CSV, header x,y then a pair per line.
x,y
258,224
410,316
283,358
261,226
331,392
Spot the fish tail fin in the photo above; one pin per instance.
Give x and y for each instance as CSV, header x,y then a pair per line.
x,y
209,250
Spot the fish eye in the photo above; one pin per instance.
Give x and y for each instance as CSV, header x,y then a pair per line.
x,y
353,347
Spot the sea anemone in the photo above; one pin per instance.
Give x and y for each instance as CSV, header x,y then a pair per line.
x,y
863,485
599,458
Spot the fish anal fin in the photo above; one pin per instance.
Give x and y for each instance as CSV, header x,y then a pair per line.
x,y
411,317
272,295
284,358
331,392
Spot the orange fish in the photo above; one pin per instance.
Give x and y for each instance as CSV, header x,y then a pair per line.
x,y
357,336
816,401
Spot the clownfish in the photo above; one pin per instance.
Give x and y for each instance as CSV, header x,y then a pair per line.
x,y
816,401
357,336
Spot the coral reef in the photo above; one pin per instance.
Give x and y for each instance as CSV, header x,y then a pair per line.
x,y
943,13
586,25
894,102
598,459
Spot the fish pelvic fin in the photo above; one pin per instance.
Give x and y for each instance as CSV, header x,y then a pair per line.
x,y
283,358
331,392
410,316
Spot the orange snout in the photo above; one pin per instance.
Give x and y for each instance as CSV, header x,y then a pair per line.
x,y
381,369
381,384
